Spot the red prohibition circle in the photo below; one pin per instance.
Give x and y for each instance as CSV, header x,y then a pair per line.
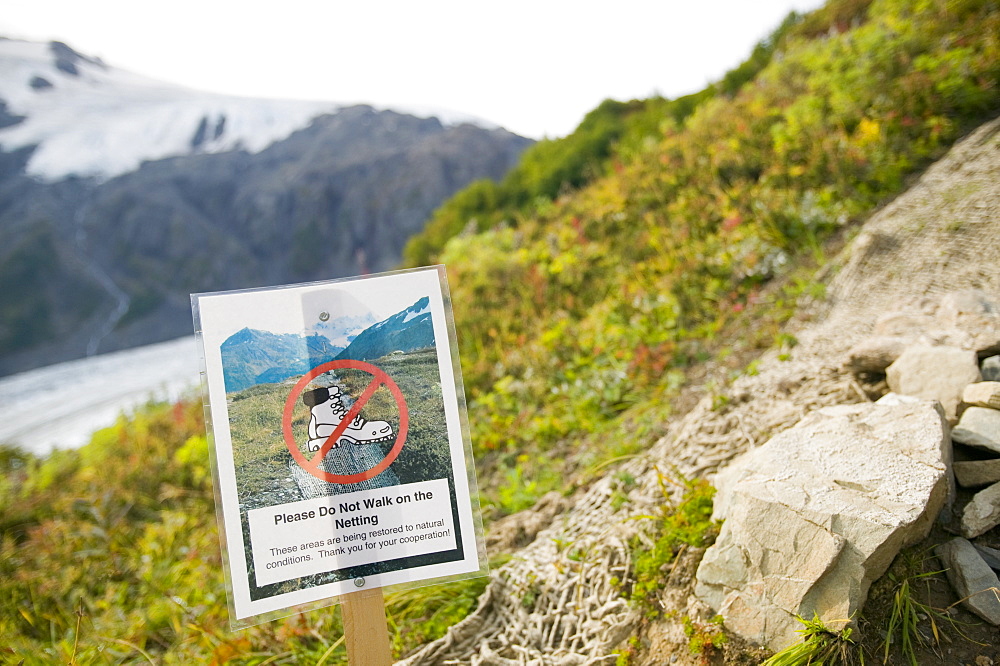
x,y
379,378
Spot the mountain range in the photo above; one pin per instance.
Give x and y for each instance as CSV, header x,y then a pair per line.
x,y
120,196
251,357
407,330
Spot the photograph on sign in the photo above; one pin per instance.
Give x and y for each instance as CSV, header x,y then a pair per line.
x,y
341,451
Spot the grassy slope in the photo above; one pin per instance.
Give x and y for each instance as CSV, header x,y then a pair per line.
x,y
581,315
579,323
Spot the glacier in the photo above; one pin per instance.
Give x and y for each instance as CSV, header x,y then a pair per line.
x,y
102,121
61,405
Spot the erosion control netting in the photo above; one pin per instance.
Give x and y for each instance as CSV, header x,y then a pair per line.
x,y
556,601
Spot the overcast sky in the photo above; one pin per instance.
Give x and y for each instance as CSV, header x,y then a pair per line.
x,y
534,67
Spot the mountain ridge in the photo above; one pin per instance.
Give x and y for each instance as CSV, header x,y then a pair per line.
x,y
93,265
404,331
88,119
251,356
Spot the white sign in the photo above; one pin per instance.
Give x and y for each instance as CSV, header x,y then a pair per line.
x,y
339,450
313,536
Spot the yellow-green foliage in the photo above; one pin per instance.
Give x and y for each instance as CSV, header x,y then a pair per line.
x,y
552,167
424,614
705,638
596,303
545,169
110,552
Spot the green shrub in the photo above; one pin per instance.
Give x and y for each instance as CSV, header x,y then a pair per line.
x,y
688,523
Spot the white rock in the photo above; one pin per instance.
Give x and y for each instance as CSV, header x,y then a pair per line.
x,y
979,427
973,580
982,394
890,399
982,513
934,373
817,513
975,313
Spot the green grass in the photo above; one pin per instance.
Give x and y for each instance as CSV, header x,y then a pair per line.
x,y
900,620
902,630
424,614
820,646
705,639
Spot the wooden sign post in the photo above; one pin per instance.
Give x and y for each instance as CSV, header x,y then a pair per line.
x,y
365,629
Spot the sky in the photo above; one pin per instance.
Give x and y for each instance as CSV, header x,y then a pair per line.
x,y
534,67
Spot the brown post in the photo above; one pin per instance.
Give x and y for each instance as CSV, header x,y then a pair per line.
x,y
365,629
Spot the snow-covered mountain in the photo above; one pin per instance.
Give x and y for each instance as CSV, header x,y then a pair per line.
x,y
406,330
120,196
89,119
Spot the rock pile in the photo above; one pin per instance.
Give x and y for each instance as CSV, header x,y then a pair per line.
x,y
817,513
950,353
933,353
973,567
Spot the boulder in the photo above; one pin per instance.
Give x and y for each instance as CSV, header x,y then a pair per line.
x,y
982,394
974,473
973,579
979,427
991,369
934,373
974,313
949,337
818,512
982,513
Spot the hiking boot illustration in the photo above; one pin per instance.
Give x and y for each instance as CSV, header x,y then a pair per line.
x,y
327,413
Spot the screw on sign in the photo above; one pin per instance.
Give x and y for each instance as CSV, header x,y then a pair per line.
x,y
313,465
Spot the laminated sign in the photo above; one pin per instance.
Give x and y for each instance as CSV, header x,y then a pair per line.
x,y
341,452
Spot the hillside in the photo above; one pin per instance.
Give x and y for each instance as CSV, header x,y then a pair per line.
x,y
102,252
579,324
693,294
939,238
